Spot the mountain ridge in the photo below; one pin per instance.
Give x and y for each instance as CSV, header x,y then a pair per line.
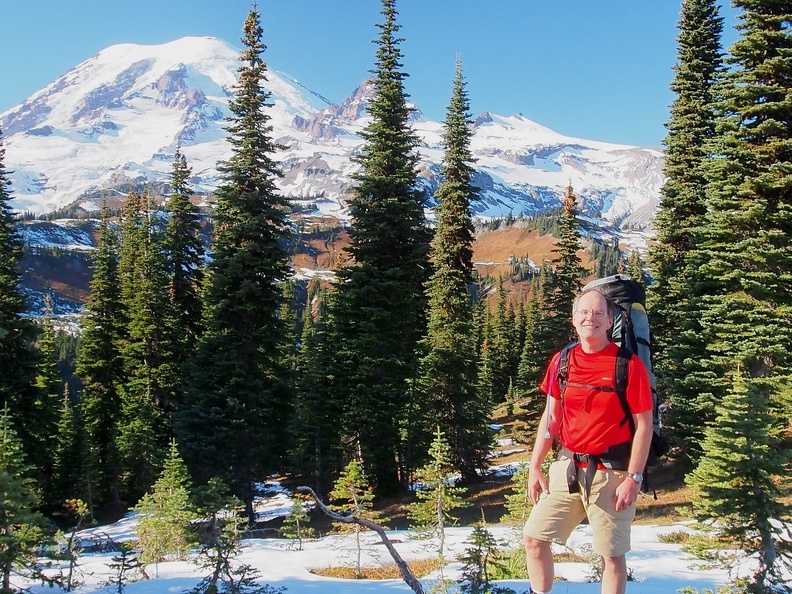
x,y
115,120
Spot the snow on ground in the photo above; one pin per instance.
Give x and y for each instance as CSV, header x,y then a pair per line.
x,y
658,568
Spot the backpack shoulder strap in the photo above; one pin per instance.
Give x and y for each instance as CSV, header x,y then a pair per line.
x,y
622,365
562,369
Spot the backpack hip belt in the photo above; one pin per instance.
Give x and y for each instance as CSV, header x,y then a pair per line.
x,y
614,458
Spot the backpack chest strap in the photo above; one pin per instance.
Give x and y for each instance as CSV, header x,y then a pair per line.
x,y
590,387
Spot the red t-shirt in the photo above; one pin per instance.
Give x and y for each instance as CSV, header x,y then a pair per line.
x,y
591,419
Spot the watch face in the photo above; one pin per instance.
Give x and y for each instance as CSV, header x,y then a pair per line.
x,y
636,476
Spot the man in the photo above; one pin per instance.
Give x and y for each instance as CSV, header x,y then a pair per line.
x,y
598,474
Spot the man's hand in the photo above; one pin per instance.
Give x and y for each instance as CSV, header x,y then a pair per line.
x,y
537,484
626,493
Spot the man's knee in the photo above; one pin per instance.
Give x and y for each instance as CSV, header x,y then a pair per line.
x,y
617,564
535,547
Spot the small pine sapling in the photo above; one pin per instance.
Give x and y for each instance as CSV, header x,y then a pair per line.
x,y
219,532
295,525
353,489
437,498
166,513
478,559
127,567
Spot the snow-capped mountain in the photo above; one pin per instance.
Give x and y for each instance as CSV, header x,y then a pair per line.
x,y
116,119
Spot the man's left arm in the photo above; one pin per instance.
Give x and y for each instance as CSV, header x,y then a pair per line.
x,y
627,492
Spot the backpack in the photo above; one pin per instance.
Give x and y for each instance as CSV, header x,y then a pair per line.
x,y
631,332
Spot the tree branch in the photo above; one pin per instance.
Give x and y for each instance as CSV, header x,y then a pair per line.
x,y
407,575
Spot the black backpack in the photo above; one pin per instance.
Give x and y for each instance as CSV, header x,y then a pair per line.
x,y
631,332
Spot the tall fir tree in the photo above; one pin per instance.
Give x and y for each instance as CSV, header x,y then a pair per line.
x,y
184,256
290,343
565,281
676,287
44,432
148,390
379,313
448,371
67,454
737,484
485,387
501,353
99,367
744,253
233,423
533,357
18,358
317,450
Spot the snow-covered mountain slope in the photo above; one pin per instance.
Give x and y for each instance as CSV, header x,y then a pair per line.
x,y
116,119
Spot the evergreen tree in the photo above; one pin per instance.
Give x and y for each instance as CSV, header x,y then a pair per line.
x,y
317,449
295,525
737,483
448,370
17,357
44,432
533,357
501,355
127,567
744,256
635,267
355,491
184,255
379,312
565,281
485,381
69,548
437,498
290,347
478,560
518,502
66,453
673,295
165,513
233,423
21,532
220,534
99,368
148,390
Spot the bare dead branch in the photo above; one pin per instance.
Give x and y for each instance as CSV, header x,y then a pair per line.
x,y
407,575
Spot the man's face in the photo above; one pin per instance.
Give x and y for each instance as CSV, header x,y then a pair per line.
x,y
592,318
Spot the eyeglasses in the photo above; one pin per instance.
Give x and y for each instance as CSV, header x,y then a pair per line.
x,y
597,314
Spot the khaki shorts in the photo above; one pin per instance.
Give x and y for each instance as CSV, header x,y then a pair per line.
x,y
557,513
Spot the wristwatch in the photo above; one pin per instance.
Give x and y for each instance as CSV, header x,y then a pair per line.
x,y
636,476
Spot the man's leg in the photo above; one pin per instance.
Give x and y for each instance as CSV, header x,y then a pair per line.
x,y
552,519
611,530
539,559
614,575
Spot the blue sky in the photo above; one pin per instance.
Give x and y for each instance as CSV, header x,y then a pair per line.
x,y
592,69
